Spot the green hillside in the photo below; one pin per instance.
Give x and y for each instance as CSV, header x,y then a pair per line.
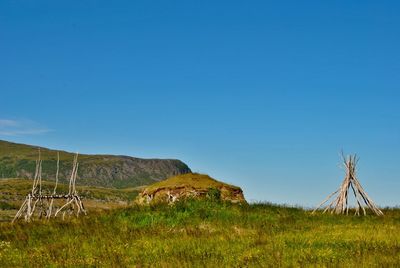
x,y
18,161
205,234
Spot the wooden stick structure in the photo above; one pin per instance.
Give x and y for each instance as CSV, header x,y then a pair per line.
x,y
41,205
339,200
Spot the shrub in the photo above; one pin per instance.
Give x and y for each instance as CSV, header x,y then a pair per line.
x,y
214,194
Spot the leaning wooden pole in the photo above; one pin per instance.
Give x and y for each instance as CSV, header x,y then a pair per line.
x,y
55,187
73,200
340,203
45,203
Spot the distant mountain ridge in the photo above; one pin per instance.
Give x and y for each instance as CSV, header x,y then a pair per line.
x,y
18,161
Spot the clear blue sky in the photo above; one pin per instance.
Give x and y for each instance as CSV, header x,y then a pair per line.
x,y
259,94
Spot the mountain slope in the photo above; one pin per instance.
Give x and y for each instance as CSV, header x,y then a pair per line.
x,y
18,161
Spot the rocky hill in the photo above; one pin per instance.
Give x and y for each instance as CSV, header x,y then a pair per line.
x,y
18,161
191,185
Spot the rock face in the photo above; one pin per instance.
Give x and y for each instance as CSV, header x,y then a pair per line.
x,y
191,185
18,161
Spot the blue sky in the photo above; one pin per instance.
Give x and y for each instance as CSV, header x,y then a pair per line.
x,y
259,94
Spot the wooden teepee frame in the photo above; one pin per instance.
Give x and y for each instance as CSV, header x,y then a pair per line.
x,y
340,202
42,204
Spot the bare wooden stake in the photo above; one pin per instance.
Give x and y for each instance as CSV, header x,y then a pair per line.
x,y
340,203
37,200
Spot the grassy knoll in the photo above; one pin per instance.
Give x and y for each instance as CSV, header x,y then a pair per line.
x,y
193,180
189,185
203,233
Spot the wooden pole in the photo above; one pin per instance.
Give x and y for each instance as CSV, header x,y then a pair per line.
x,y
340,203
37,201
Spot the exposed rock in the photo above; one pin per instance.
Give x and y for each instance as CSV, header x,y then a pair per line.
x,y
191,185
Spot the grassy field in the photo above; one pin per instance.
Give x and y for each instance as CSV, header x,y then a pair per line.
x,y
204,233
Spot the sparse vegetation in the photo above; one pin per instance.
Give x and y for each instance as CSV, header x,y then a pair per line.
x,y
205,233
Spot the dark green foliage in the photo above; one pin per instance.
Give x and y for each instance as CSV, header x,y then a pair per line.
x,y
7,206
214,194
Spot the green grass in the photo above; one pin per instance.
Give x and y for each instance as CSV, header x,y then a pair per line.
x,y
204,233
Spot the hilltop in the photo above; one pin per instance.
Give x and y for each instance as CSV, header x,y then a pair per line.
x,y
191,185
18,161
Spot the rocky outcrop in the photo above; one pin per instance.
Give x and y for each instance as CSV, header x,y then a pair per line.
x,y
190,185
18,161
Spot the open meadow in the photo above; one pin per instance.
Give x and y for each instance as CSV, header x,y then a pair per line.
x,y
204,233
199,134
